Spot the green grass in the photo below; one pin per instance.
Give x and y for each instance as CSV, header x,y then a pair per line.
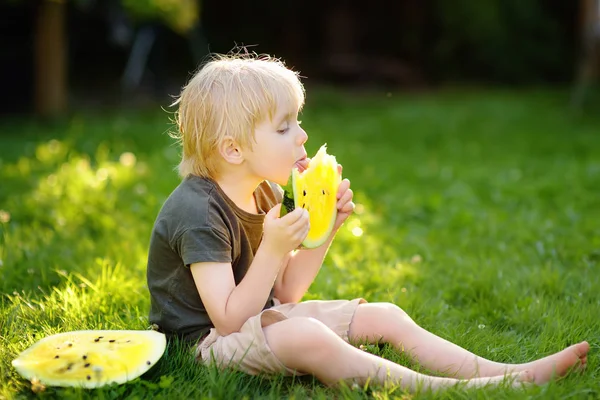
x,y
479,214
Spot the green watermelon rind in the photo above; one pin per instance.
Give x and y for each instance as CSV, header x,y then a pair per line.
x,y
287,204
27,371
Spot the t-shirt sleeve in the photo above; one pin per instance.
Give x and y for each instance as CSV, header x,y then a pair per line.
x,y
204,244
277,191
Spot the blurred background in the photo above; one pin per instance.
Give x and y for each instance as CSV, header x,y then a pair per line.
x,y
61,54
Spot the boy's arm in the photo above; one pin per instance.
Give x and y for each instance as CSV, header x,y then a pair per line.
x,y
299,272
228,305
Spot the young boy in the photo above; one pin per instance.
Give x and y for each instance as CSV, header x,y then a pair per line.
x,y
222,270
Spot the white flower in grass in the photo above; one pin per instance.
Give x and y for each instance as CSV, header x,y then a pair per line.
x,y
127,159
4,216
416,259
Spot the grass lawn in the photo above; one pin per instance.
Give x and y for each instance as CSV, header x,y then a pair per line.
x,y
478,213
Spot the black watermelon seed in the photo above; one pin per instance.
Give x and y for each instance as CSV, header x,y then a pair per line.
x,y
84,357
69,366
303,205
323,191
86,365
56,356
128,341
70,344
88,377
304,192
97,340
148,362
111,341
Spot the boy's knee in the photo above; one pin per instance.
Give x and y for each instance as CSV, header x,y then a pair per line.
x,y
309,330
395,310
387,311
302,342
306,345
310,335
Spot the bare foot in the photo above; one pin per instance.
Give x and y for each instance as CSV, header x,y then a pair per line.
x,y
556,365
516,379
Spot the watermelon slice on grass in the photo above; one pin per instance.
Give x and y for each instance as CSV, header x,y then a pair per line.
x,y
91,359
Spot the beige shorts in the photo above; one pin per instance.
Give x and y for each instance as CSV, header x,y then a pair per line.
x,y
248,351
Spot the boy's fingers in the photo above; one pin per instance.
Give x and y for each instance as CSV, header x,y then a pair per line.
x,y
305,232
348,207
345,198
301,222
344,186
302,215
274,211
294,216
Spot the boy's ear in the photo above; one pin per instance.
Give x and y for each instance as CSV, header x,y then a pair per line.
x,y
230,150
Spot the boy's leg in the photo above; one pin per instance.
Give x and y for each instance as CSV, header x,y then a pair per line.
x,y
385,322
307,345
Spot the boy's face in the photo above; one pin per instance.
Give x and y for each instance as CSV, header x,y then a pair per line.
x,y
278,147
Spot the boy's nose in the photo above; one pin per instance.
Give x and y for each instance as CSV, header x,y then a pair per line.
x,y
302,137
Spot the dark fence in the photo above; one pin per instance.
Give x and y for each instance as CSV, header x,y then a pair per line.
x,y
401,43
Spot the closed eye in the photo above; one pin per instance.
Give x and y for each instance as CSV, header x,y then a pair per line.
x,y
283,128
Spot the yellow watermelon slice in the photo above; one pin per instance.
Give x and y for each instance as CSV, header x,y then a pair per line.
x,y
91,359
315,189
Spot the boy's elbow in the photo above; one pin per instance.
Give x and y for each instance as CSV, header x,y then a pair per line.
x,y
286,296
228,324
227,328
278,291
225,331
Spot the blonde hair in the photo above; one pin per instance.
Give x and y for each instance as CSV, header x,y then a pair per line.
x,y
229,96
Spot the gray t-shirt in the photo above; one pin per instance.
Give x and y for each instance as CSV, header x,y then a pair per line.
x,y
199,223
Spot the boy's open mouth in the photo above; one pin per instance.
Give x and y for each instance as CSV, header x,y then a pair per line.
x,y
302,164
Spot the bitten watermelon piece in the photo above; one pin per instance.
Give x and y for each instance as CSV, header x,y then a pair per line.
x,y
315,189
91,359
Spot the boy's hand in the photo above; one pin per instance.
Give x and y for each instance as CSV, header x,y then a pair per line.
x,y
345,205
282,235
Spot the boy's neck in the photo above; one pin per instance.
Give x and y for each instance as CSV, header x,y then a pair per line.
x,y
240,191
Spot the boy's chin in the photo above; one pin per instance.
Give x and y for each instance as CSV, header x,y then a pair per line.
x,y
283,182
